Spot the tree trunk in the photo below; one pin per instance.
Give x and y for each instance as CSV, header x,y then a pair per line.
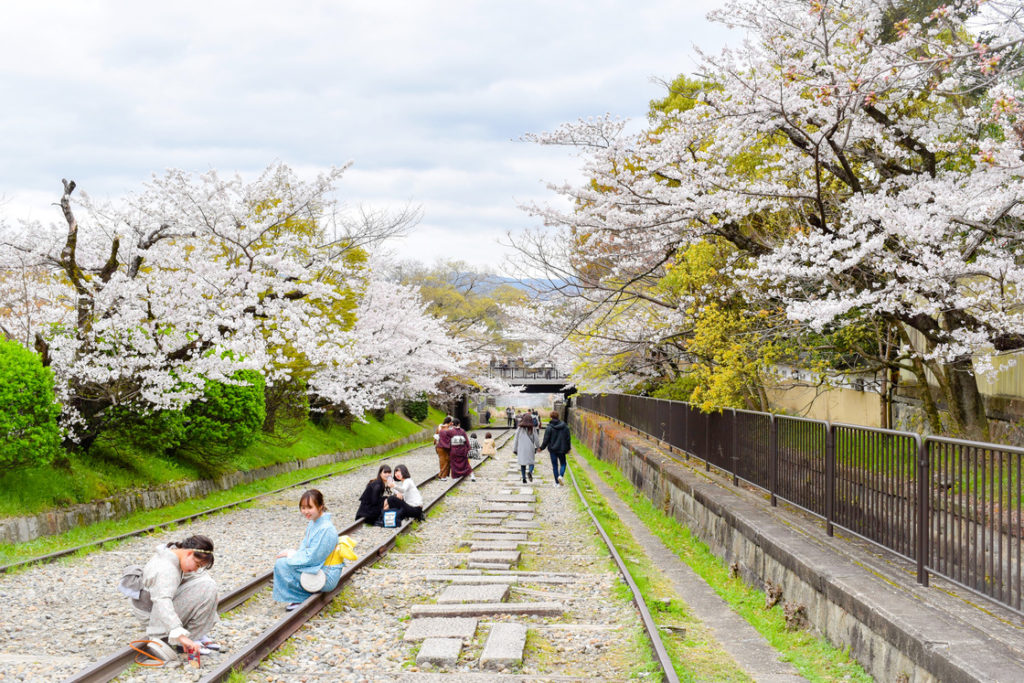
x,y
966,404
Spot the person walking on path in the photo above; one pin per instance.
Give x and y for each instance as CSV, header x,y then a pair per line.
x,y
536,418
459,452
176,597
315,567
525,446
371,502
443,447
509,416
557,441
406,498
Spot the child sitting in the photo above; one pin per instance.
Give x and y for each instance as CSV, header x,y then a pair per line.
x,y
474,448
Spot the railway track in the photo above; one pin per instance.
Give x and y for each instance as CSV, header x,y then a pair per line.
x,y
249,657
116,663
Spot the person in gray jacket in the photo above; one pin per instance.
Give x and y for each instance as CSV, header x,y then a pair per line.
x,y
176,596
557,442
524,445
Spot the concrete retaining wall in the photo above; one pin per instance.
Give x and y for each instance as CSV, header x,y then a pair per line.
x,y
21,529
837,602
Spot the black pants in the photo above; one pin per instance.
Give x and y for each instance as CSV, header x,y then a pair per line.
x,y
404,509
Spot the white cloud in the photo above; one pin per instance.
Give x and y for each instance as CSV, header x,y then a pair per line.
x,y
427,98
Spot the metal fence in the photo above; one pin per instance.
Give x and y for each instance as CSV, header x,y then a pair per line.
x,y
953,507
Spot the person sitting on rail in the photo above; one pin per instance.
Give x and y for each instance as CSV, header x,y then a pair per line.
x,y
176,597
458,442
489,447
316,566
371,502
406,498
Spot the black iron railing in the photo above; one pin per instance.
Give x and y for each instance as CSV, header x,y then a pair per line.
x,y
953,507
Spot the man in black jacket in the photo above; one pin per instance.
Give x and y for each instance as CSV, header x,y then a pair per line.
x,y
558,442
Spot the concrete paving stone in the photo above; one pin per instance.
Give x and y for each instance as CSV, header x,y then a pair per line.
x,y
490,515
486,521
482,546
473,593
522,525
440,627
439,651
506,507
509,556
509,578
490,566
504,646
503,536
524,516
511,498
502,530
537,609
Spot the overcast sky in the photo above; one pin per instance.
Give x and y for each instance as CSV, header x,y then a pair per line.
x,y
427,99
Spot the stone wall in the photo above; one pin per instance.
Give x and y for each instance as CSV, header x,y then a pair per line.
x,y
22,529
838,605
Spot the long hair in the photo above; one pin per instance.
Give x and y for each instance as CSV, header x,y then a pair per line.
x,y
201,547
527,423
383,468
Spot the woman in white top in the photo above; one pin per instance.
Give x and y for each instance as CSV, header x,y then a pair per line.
x,y
406,498
176,597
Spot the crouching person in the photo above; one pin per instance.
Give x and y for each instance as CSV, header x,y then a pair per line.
x,y
316,566
176,597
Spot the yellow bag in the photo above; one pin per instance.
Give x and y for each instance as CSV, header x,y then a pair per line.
x,y
343,551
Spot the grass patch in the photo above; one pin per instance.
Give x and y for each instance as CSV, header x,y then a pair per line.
x,y
694,652
109,468
138,520
812,656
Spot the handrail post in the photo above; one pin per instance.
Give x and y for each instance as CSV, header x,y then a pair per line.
x,y
830,477
773,459
707,442
735,449
923,511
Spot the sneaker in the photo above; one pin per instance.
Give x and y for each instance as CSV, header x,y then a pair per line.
x,y
292,606
561,481
524,480
209,644
161,649
472,477
530,475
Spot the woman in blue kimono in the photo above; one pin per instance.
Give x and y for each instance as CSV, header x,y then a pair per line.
x,y
316,555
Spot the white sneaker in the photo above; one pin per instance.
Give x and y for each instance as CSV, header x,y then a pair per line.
x,y
292,606
162,650
561,481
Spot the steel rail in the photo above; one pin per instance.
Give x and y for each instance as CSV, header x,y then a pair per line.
x,y
664,661
114,664
54,556
254,652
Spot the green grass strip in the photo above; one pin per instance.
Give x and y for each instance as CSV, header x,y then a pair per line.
x,y
812,656
690,644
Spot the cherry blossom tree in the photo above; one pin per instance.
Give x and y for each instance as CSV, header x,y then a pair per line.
x,y
864,169
138,303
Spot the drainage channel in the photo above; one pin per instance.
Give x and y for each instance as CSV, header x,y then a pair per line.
x,y
249,655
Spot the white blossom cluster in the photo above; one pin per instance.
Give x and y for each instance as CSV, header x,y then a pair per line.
x,y
138,303
869,166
